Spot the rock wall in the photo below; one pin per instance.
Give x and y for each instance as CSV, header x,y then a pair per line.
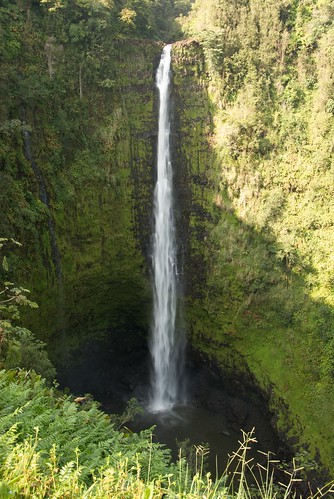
x,y
96,155
99,204
193,161
247,311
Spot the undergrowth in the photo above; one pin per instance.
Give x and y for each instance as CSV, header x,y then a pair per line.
x,y
53,447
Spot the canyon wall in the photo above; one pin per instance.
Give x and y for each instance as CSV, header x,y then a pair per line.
x,y
86,251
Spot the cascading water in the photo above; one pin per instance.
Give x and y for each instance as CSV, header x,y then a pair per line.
x,y
166,347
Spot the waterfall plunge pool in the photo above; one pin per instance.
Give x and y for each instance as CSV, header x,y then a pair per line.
x,y
116,369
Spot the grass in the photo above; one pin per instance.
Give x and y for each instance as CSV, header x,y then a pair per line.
x,y
22,475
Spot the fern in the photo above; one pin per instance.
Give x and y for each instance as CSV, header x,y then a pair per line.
x,y
52,448
85,432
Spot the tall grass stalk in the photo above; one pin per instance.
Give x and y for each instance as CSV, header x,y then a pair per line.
x,y
27,472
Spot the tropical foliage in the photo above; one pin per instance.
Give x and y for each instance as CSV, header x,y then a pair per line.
x,y
52,447
18,345
64,79
271,70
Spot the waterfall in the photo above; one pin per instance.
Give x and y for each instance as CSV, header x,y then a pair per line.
x,y
166,346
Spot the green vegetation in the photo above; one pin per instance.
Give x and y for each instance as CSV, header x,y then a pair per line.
x,y
18,346
268,304
82,102
254,93
52,447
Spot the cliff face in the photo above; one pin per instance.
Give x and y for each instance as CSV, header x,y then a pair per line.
x,y
79,198
192,129
258,304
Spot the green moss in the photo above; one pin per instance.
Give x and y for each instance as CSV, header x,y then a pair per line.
x,y
100,184
250,305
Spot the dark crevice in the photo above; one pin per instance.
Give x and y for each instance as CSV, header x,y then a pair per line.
x,y
43,196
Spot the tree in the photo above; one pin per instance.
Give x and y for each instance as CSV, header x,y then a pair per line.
x,y
18,346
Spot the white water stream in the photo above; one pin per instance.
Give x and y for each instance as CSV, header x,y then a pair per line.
x,y
165,345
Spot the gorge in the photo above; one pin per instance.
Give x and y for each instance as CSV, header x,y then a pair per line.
x,y
251,134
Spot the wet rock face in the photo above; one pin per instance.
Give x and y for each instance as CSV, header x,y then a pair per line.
x,y
191,128
103,230
113,369
239,402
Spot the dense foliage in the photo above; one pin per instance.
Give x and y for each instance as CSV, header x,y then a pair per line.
x,y
52,447
271,65
58,57
64,82
18,346
52,52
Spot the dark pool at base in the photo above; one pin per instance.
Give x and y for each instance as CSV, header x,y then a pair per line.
x,y
217,409
195,427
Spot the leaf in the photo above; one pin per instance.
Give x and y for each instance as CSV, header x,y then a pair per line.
x,y
32,304
15,242
5,264
149,492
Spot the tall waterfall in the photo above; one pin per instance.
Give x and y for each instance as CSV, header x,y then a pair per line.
x,y
165,345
